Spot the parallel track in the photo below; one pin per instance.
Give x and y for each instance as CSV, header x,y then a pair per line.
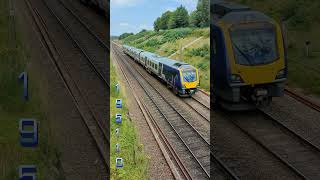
x,y
192,104
159,133
195,144
297,153
80,98
95,50
302,100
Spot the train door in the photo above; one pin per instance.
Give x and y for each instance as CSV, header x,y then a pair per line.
x,y
160,69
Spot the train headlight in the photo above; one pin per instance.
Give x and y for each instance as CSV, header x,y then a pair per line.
x,y
281,74
235,78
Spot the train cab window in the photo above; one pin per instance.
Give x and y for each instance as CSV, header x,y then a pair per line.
x,y
254,45
189,75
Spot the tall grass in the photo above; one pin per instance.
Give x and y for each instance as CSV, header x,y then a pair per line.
x,y
135,160
13,60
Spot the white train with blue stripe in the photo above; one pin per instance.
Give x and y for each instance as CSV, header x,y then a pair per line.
x,y
180,76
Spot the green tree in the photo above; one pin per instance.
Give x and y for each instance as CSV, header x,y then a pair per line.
x,y
164,23
201,16
156,24
203,13
193,19
179,18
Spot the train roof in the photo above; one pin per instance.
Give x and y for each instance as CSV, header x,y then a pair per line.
x,y
151,56
164,60
233,13
245,17
221,8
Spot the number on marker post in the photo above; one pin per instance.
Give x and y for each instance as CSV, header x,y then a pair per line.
x,y
27,172
24,77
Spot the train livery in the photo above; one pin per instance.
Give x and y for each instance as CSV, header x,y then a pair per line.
x,y
248,57
181,77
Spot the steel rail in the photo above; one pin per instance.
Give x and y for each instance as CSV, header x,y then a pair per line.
x,y
201,137
76,42
302,100
54,56
158,129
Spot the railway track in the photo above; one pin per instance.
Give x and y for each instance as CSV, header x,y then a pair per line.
x,y
93,81
203,110
68,68
192,144
295,152
86,14
93,46
303,100
157,132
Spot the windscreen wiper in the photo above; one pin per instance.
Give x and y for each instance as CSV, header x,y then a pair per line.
x,y
242,53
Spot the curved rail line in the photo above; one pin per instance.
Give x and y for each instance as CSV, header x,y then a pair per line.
x,y
201,103
302,100
184,124
196,110
85,111
78,43
170,148
294,141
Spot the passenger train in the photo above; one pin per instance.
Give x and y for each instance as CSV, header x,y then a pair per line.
x,y
248,57
181,77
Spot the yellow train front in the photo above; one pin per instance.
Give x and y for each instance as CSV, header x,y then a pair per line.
x,y
248,57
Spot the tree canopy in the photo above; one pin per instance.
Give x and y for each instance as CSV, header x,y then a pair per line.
x,y
181,18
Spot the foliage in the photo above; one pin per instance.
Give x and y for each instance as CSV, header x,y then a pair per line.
x,y
156,24
179,18
201,16
167,42
203,51
132,152
13,107
162,22
124,35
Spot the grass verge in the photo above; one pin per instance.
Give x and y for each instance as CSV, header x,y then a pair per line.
x,y
13,107
135,160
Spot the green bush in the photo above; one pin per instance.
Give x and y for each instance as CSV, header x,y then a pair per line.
x,y
204,51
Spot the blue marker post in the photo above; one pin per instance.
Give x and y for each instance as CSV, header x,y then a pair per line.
x,y
24,77
27,172
119,103
119,163
118,118
118,148
28,137
117,132
117,88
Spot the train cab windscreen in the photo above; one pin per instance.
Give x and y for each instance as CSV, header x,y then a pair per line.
x,y
189,75
254,45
